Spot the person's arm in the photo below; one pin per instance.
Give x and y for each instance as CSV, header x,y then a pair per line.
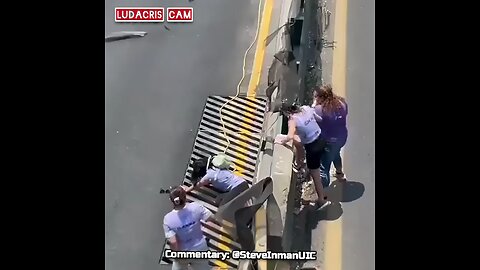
x,y
206,215
292,128
171,237
203,182
318,113
172,242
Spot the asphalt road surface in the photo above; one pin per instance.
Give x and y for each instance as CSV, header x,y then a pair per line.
x,y
155,89
346,239
357,233
359,216
358,219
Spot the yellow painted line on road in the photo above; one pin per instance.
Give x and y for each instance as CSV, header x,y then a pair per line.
x,y
252,87
333,229
260,216
221,265
239,170
222,247
242,131
260,50
261,236
245,123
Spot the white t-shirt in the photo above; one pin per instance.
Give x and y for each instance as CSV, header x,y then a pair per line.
x,y
307,127
185,225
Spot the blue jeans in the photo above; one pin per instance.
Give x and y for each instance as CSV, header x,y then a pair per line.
x,y
331,154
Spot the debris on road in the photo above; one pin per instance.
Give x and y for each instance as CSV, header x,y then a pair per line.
x,y
124,35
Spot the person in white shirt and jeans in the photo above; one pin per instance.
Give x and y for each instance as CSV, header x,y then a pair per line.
x,y
183,229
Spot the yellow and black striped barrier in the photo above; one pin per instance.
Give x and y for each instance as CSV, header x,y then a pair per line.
x,y
243,119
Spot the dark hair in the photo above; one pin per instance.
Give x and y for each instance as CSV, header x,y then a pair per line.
x,y
199,167
329,101
178,196
290,107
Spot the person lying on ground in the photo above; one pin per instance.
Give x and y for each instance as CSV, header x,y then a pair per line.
x,y
215,172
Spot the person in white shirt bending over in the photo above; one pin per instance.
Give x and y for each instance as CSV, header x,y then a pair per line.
x,y
183,229
302,121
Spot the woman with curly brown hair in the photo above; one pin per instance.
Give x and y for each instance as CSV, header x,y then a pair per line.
x,y
333,111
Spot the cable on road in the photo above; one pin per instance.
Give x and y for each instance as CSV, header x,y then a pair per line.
x,y
243,76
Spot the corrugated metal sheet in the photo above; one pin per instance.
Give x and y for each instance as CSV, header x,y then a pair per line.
x,y
243,118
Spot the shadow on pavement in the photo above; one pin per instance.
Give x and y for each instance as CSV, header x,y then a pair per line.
x,y
308,219
332,212
345,191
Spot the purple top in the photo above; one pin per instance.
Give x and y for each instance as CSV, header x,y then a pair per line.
x,y
334,125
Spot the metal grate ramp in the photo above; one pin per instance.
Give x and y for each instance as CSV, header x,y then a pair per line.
x,y
243,119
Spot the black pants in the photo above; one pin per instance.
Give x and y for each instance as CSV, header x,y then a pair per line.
x,y
314,152
230,195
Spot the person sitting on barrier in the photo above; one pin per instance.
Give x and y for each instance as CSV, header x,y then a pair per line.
x,y
215,171
333,111
303,122
183,229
